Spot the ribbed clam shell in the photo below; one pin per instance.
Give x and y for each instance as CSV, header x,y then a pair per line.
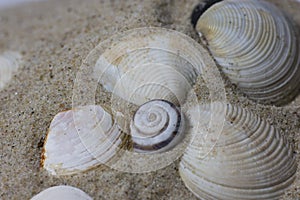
x,y
80,139
257,47
151,63
9,63
250,159
62,192
156,127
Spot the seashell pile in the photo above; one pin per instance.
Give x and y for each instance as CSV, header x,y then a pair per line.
x,y
229,152
256,45
62,192
179,60
250,159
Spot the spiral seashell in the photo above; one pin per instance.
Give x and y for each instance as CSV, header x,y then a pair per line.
x,y
80,139
156,127
250,159
62,192
256,45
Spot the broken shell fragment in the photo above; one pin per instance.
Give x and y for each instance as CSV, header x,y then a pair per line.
x,y
62,192
80,139
249,160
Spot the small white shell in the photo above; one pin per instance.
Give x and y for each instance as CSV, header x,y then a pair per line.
x,y
257,47
250,159
9,63
62,192
157,126
80,139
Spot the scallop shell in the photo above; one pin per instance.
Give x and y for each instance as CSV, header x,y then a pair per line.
x,y
9,63
257,47
80,139
250,159
62,192
157,126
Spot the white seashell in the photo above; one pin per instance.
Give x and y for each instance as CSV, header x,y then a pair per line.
x,y
157,126
256,45
150,63
9,63
62,192
80,139
250,159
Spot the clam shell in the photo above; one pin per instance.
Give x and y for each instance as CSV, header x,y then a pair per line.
x,y
150,63
62,192
80,139
257,47
250,158
9,63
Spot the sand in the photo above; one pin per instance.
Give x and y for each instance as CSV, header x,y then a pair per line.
x,y
53,39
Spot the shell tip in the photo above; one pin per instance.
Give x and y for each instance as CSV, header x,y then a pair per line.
x,y
200,9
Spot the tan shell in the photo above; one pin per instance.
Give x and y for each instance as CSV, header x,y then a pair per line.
x,y
80,139
257,47
249,160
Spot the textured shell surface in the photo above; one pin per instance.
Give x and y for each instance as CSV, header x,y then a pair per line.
x,y
9,63
156,127
257,47
150,63
62,192
250,158
80,139
140,65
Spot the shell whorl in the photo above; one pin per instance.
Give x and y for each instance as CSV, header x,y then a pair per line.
x,y
156,126
257,47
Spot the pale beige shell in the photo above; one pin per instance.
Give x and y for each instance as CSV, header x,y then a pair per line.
x,y
62,192
250,158
257,47
80,139
9,64
150,63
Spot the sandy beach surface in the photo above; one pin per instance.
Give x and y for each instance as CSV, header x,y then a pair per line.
x,y
54,37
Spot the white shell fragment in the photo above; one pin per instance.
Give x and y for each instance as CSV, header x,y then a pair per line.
x,y
257,47
250,158
151,63
80,139
9,63
62,192
156,127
